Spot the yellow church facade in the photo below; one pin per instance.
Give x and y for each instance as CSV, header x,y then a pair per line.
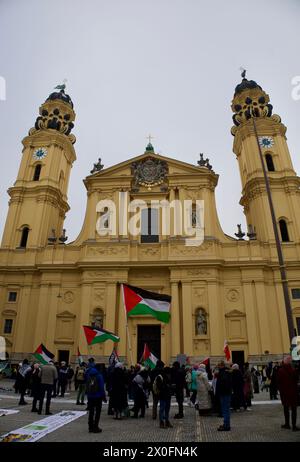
x,y
224,288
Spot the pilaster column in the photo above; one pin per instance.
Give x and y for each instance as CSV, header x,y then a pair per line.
x,y
216,320
23,343
253,332
187,318
111,303
175,321
262,311
84,316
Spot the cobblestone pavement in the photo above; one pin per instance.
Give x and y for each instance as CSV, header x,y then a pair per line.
x,y
262,423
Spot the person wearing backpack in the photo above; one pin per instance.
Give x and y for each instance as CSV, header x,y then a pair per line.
x,y
153,374
163,386
80,382
95,394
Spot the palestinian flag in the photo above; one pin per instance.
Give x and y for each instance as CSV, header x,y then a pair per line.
x,y
148,358
227,351
139,301
43,355
98,335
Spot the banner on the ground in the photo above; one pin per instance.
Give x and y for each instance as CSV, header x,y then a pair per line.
x,y
4,412
41,428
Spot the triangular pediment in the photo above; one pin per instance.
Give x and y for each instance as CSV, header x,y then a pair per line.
x,y
175,167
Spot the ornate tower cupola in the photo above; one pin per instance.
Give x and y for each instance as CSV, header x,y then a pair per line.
x,y
57,114
253,118
249,101
38,199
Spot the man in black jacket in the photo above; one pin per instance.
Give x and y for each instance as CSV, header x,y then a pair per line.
x,y
178,381
224,390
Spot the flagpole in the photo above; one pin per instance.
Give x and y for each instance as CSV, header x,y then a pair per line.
x,y
127,329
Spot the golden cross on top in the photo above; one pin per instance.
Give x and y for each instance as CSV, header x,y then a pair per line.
x,y
150,137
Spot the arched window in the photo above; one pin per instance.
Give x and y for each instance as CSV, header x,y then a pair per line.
x,y
97,318
270,163
37,172
284,231
201,322
24,237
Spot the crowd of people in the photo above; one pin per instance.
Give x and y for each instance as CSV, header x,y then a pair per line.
x,y
226,388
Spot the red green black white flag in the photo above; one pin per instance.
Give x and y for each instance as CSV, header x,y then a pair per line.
x,y
43,355
98,335
142,302
148,358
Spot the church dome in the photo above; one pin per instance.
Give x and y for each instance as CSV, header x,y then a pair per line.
x,y
246,85
61,95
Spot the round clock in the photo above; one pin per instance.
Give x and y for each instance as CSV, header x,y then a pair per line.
x,y
266,141
39,153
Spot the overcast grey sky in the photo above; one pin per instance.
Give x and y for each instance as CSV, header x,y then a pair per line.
x,y
168,67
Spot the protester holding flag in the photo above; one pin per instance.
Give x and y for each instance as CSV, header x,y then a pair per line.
x,y
48,376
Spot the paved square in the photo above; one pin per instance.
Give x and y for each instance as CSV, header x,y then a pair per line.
x,y
262,423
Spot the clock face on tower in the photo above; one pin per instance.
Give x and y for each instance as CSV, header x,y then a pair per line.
x,y
39,153
266,141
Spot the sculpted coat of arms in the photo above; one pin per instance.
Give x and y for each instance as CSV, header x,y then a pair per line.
x,y
149,172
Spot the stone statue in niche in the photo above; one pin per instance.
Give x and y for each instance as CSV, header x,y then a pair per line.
x,y
201,323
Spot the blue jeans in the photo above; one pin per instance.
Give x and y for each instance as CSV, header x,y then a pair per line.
x,y
225,406
164,409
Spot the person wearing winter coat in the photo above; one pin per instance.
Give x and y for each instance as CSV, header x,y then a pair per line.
x,y
119,388
287,379
62,379
178,379
23,377
139,393
163,383
35,381
237,398
248,387
80,381
203,398
48,375
193,385
224,390
95,395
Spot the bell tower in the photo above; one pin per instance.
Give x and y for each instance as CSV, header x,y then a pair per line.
x,y
253,116
38,198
